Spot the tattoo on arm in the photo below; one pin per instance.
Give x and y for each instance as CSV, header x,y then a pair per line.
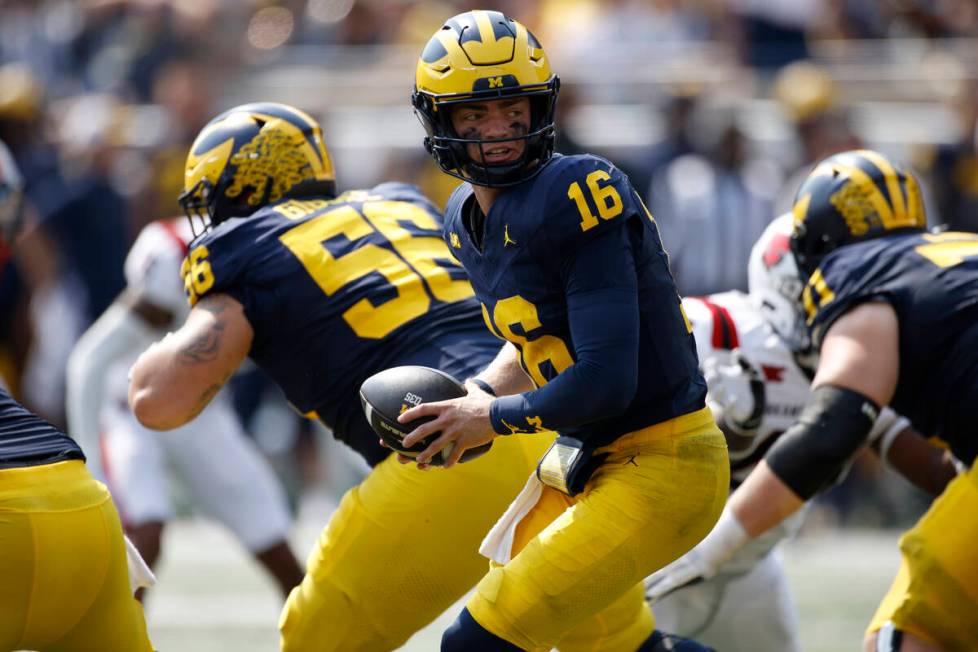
x,y
205,346
206,396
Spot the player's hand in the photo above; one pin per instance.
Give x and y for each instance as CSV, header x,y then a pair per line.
x,y
464,423
736,393
702,562
689,569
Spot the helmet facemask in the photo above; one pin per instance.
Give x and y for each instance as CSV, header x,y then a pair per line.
x,y
450,150
484,56
775,284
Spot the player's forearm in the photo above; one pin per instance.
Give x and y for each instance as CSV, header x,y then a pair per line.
x,y
504,374
176,378
928,467
763,501
164,393
110,338
599,385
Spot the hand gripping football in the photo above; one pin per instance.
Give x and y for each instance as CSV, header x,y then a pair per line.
x,y
388,393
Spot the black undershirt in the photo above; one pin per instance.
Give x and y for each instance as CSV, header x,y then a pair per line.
x,y
474,221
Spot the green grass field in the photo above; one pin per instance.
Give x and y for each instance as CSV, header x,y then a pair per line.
x,y
212,598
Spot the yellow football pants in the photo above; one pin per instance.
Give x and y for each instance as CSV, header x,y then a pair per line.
x,y
64,582
576,582
935,593
401,548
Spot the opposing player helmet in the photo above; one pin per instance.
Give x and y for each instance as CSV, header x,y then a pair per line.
x,y
481,56
774,284
851,197
251,156
11,196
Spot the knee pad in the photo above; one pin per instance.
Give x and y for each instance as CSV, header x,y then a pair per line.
x,y
889,638
661,642
465,635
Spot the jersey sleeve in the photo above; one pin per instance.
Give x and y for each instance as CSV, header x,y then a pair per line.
x,y
152,268
835,288
218,262
701,318
585,197
603,315
407,192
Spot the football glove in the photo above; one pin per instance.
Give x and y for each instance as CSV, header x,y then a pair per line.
x,y
702,562
736,393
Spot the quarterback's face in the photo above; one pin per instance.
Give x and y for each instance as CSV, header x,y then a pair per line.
x,y
493,120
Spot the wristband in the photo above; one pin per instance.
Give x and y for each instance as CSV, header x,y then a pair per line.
x,y
483,385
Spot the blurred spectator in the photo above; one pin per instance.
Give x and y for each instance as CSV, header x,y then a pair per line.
x,y
954,169
711,208
808,99
677,140
774,33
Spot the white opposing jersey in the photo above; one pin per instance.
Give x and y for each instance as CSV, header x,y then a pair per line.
x,y
152,267
727,321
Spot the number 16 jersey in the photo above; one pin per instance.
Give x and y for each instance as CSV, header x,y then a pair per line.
x,y
339,289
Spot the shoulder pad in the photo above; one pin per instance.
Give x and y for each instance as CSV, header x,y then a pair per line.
x,y
400,191
219,258
582,197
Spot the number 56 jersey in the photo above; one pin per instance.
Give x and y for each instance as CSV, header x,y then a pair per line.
x,y
338,289
931,282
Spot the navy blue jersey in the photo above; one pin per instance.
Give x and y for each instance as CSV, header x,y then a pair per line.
x,y
579,230
931,281
27,440
337,290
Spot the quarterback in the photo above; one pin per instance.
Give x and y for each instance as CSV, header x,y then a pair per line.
x,y
65,579
893,311
323,290
571,274
222,469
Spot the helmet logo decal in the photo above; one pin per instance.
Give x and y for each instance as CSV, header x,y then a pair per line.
x,y
776,250
499,81
270,156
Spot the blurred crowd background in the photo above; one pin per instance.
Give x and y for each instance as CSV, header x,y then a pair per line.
x,y
715,108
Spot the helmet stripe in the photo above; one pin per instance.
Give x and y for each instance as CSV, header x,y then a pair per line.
x,y
869,190
892,183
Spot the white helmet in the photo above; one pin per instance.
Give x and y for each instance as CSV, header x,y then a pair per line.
x,y
11,192
775,284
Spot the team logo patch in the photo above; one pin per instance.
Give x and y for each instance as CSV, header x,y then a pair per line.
x,y
776,250
506,239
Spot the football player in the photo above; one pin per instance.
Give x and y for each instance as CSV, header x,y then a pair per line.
x,y
221,467
66,583
568,266
758,365
322,290
893,311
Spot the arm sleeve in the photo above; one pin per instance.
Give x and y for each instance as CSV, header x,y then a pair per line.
x,y
602,309
116,334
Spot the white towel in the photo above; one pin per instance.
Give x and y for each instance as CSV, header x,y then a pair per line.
x,y
139,573
498,544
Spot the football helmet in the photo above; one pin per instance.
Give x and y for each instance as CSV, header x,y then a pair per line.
x,y
850,197
251,156
775,285
479,56
11,196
